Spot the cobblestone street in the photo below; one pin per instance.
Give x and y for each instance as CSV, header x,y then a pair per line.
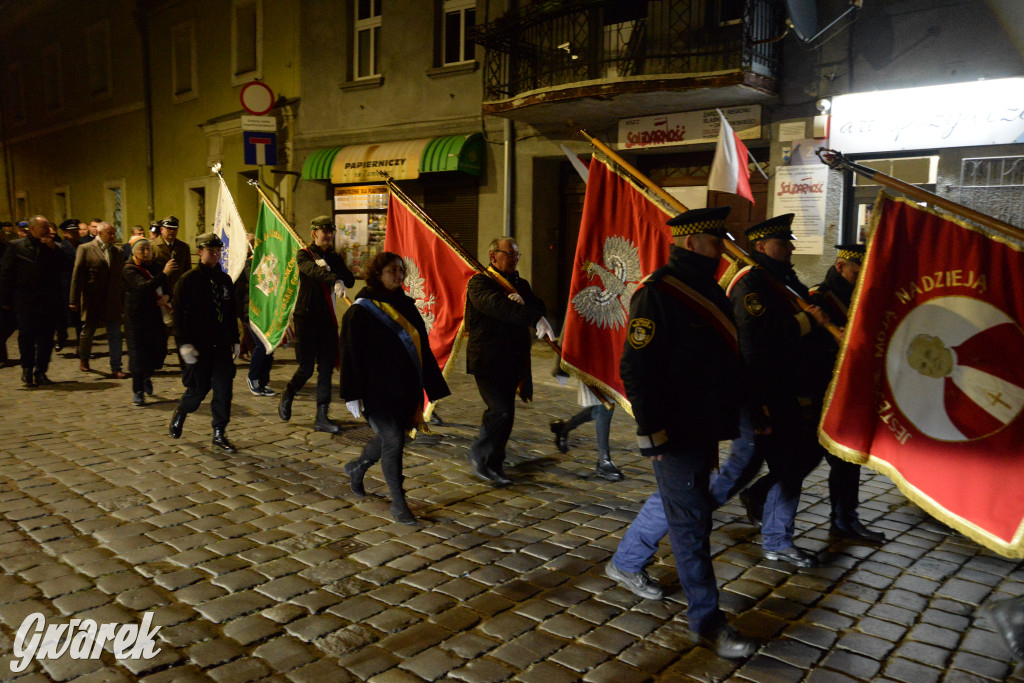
x,y
262,565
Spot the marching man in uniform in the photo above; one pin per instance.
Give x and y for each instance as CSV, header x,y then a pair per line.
x,y
206,328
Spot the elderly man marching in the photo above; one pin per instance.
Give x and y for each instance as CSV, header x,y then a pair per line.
x,y
206,327
680,366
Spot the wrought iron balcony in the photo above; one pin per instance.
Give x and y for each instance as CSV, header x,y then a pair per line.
x,y
560,45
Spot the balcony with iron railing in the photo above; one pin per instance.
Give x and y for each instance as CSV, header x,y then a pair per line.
x,y
577,52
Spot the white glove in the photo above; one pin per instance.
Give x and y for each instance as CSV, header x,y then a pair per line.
x,y
235,351
189,354
355,407
562,380
544,329
323,264
515,297
339,289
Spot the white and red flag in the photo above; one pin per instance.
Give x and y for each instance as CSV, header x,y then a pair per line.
x,y
623,238
435,276
730,170
929,387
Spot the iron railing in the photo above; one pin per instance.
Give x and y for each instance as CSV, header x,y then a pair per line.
x,y
549,44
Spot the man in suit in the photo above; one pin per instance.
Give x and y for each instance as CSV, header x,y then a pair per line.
x,y
30,287
168,247
96,288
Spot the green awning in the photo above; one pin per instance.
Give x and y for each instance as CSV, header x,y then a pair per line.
x,y
318,164
454,153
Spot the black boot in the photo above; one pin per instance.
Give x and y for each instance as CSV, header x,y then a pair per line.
x,y
284,408
26,377
355,469
558,428
1008,618
177,423
399,508
606,469
323,423
220,440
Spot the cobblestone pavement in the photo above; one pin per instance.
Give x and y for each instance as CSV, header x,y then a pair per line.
x,y
262,566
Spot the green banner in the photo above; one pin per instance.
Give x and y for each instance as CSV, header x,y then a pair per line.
x,y
274,281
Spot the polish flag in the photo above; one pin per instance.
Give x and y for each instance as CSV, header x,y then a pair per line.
x,y
730,171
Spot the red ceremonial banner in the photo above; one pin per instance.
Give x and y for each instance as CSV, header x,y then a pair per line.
x,y
435,276
929,386
623,237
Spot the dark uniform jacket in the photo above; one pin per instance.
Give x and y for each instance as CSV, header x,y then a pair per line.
x,y
834,296
205,314
377,368
96,284
30,276
680,363
776,338
163,252
499,334
316,283
144,325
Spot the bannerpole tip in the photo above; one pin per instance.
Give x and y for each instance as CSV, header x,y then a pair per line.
x,y
216,168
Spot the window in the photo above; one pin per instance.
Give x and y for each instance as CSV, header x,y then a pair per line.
x,y
183,61
16,93
53,93
21,205
61,207
97,52
459,17
113,202
246,40
195,206
367,38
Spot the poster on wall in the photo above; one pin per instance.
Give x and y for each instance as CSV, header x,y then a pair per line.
x,y
800,190
361,220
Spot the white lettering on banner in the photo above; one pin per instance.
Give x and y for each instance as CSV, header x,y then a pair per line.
x,y
82,639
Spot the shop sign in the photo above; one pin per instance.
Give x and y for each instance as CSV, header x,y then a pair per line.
x,y
360,197
362,163
934,117
687,128
800,190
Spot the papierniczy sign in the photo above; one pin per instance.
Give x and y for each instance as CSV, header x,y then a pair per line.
x,y
688,127
934,117
82,639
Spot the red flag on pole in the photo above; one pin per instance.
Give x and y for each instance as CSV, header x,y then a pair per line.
x,y
623,237
730,170
929,387
435,277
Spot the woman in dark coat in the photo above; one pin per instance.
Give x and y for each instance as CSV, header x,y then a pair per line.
x,y
145,292
386,365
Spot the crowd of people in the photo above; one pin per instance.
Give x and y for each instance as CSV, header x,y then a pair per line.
x,y
755,366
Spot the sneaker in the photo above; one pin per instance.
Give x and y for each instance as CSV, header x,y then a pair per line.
x,y
139,399
266,391
254,387
638,583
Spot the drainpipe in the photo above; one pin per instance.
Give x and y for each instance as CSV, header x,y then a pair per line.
x,y
510,148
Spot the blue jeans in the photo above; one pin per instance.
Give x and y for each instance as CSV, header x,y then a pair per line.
x,y
259,364
682,508
740,468
602,418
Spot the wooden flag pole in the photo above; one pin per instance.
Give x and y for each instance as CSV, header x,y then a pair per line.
x,y
473,263
734,250
837,160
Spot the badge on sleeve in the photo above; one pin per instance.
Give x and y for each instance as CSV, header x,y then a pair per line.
x,y
752,302
641,332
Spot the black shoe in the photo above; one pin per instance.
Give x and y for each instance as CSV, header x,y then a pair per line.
x,y
856,532
177,424
606,469
26,377
58,347
753,510
561,435
356,469
498,477
435,419
267,391
220,440
284,408
402,514
139,399
324,423
1008,618
792,555
729,644
147,387
480,469
42,380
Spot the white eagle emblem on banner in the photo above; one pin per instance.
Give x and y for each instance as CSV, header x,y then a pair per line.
x,y
608,305
267,279
414,283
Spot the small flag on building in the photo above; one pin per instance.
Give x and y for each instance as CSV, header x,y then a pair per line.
x,y
274,281
228,225
730,171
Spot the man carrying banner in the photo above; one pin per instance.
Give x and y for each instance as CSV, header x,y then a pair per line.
x,y
498,354
778,343
323,277
834,296
206,327
680,367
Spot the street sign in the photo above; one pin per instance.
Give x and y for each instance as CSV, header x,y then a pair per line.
x,y
267,124
257,98
260,148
